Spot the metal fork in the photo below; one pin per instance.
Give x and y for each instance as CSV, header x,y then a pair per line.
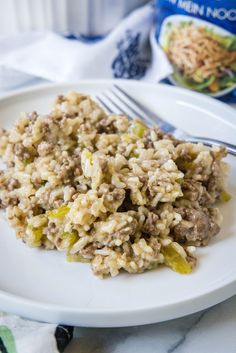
x,y
116,100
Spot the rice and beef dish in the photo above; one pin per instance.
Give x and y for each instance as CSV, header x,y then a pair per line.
x,y
107,190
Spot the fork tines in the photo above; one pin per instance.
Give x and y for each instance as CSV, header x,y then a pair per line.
x,y
116,100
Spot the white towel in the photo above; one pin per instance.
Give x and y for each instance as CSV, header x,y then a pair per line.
x,y
19,335
129,51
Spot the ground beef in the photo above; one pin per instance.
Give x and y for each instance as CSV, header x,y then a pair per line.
x,y
33,116
46,129
192,189
106,125
149,226
60,99
21,152
191,260
9,201
113,197
66,170
195,191
88,251
156,246
160,135
3,132
125,232
13,184
50,229
198,226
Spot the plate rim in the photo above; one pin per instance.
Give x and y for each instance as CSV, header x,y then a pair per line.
x,y
165,86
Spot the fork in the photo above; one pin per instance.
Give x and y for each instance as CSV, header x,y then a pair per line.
x,y
116,100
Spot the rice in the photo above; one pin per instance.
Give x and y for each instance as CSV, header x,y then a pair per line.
x,y
107,190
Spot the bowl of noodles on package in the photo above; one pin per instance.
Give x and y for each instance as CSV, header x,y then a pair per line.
x,y
202,52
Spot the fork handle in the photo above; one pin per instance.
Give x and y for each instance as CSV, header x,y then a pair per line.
x,y
231,149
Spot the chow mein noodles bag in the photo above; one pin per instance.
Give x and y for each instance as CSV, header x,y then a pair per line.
x,y
199,39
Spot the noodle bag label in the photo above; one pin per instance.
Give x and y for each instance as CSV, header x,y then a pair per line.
x,y
199,40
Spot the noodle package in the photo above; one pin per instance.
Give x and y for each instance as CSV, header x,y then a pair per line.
x,y
199,40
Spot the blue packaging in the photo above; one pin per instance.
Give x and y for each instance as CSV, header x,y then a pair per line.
x,y
199,39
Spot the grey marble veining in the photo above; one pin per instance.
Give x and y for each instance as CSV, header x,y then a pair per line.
x,y
212,330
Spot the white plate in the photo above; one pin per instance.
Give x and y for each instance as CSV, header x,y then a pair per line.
x,y
41,285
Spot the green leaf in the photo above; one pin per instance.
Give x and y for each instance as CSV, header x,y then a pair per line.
x,y
8,340
227,81
228,42
189,83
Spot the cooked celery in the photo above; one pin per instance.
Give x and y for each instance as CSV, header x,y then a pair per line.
x,y
76,258
70,237
126,138
138,129
59,213
184,165
133,155
175,260
28,161
225,196
38,233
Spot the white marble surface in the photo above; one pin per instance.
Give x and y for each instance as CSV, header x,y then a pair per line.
x,y
212,330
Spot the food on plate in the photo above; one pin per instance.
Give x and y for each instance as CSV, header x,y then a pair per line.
x,y
203,60
109,191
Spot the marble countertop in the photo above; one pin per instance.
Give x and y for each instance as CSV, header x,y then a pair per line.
x,y
211,330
